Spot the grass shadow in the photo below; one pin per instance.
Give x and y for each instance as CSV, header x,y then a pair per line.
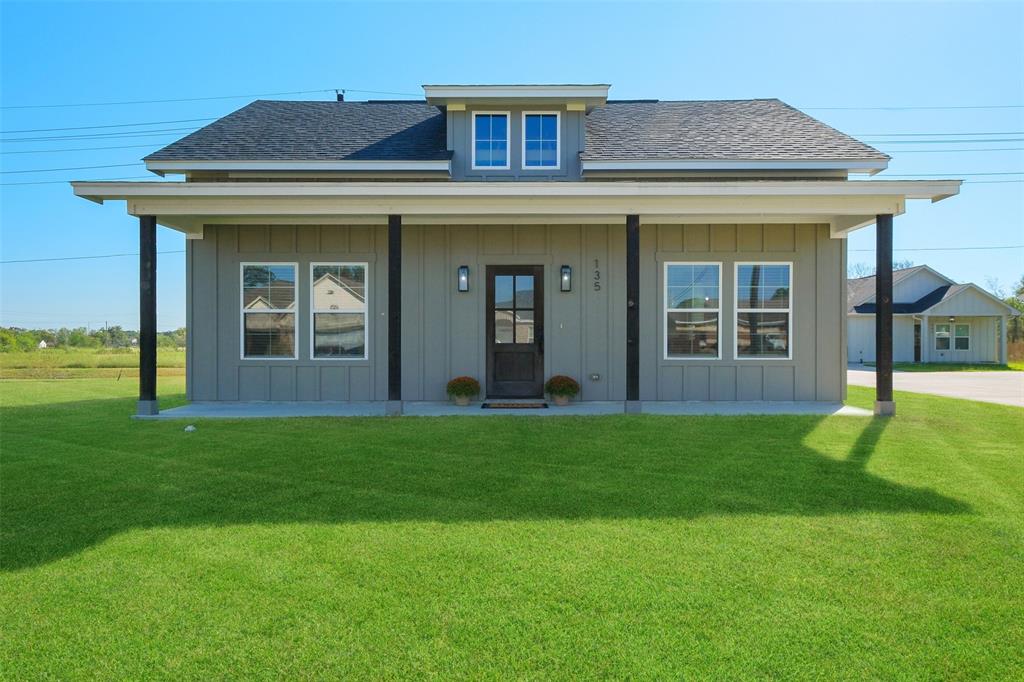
x,y
76,473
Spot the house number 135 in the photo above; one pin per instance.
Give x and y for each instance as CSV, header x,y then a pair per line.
x,y
597,275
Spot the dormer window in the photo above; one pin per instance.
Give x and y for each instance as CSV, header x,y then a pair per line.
x,y
490,140
540,140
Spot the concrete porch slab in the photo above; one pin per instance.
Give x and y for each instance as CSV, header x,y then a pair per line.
x,y
269,410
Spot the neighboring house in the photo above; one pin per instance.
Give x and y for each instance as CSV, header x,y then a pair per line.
x,y
934,319
652,250
42,345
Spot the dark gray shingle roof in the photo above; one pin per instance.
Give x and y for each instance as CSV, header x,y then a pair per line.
x,y
920,305
757,129
860,289
331,131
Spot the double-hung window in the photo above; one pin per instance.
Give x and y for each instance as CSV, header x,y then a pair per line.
x,y
338,310
961,337
540,140
692,310
942,337
490,140
764,312
268,310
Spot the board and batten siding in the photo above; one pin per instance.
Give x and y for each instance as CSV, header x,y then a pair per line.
x,y
444,330
817,368
216,370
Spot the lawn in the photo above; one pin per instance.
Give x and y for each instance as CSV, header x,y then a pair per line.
x,y
60,363
953,367
608,547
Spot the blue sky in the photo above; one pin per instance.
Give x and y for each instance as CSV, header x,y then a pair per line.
x,y
822,57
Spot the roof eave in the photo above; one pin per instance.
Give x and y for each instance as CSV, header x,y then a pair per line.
x,y
870,167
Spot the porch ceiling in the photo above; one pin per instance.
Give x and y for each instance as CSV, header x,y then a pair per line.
x,y
845,205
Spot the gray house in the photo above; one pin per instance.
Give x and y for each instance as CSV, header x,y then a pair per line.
x,y
935,319
654,251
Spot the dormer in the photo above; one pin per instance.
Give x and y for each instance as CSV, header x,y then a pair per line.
x,y
511,132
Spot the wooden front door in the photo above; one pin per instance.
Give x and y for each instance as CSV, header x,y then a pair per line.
x,y
515,331
917,342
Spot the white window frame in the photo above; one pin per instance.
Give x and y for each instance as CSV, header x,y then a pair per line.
x,y
313,310
558,141
242,313
954,337
508,139
949,335
737,310
665,310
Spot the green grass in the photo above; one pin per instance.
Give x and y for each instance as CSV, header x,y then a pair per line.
x,y
953,367
60,363
610,547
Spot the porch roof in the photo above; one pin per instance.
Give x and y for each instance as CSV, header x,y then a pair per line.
x,y
845,205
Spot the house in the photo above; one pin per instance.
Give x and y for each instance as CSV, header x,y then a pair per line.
x,y
653,250
42,345
934,319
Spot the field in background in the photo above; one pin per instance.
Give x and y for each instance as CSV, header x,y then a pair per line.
x,y
58,363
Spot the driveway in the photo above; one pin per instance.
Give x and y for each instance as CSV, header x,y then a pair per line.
x,y
1005,388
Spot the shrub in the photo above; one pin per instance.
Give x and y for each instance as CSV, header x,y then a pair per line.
x,y
562,385
467,386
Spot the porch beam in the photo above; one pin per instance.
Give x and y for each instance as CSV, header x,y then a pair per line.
x,y
884,404
147,316
394,314
633,313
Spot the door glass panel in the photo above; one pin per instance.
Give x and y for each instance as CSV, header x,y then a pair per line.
x,y
524,291
524,326
503,329
503,291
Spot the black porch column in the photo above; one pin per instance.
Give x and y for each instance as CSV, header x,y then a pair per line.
x,y
883,316
394,314
632,313
147,315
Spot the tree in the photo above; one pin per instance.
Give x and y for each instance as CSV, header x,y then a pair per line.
x,y
857,270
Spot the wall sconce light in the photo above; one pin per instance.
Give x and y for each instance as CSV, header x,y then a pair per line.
x,y
463,278
952,319
566,283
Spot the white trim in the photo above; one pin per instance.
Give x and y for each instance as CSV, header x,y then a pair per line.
x,y
242,312
558,140
508,139
665,311
737,310
871,167
365,311
175,167
465,92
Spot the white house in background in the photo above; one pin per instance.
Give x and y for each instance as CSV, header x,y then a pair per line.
x,y
42,345
934,319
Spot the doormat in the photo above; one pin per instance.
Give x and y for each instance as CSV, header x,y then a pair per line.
x,y
514,406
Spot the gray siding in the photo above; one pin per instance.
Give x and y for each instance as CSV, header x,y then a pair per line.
x,y
460,131
984,340
216,370
443,330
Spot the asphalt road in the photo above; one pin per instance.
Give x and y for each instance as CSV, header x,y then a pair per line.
x,y
1005,388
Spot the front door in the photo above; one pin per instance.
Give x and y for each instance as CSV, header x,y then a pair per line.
x,y
917,342
515,331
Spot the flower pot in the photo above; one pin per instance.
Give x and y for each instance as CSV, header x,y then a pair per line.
x,y
462,400
560,400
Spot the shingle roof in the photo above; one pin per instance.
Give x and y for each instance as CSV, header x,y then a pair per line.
x,y
922,304
758,129
358,131
860,289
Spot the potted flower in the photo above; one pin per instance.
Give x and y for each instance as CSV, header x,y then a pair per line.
x,y
561,388
462,389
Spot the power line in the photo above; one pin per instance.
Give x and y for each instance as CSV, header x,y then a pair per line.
x,y
156,132
150,146
153,123
50,260
975,141
948,151
931,134
53,170
205,99
940,108
64,182
944,175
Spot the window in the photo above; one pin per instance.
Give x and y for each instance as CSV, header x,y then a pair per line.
x,y
692,308
338,310
942,337
763,310
961,337
540,140
490,140
268,310
513,309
